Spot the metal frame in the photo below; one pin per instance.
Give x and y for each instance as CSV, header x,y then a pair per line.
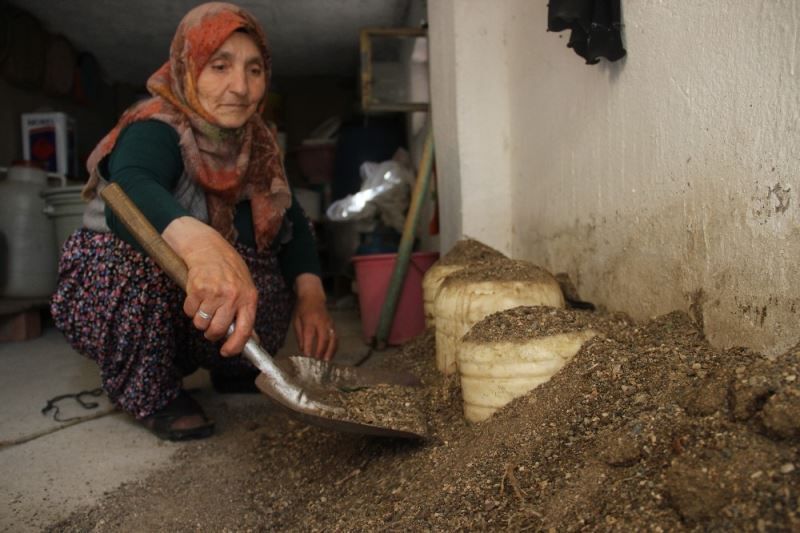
x,y
367,78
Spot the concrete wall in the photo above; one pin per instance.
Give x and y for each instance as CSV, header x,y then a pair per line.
x,y
665,181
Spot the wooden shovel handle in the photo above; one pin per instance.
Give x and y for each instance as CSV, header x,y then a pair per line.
x,y
145,234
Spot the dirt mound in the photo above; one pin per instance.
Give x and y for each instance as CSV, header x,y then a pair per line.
x,y
468,251
498,272
521,324
648,427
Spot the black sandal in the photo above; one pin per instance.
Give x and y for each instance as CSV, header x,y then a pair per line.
x,y
243,382
160,423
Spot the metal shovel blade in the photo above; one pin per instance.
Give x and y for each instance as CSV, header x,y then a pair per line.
x,y
307,388
324,418
312,372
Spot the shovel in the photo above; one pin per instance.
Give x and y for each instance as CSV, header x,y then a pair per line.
x,y
308,389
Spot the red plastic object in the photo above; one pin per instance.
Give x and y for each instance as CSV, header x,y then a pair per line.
x,y
373,273
316,162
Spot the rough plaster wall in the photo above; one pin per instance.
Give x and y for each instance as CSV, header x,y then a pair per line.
x,y
667,180
470,92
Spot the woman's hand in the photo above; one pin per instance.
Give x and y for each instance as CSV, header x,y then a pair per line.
x,y
219,289
313,325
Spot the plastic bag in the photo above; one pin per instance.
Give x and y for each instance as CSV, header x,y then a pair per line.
x,y
384,195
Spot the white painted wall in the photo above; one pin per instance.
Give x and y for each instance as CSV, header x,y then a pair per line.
x,y
470,94
664,180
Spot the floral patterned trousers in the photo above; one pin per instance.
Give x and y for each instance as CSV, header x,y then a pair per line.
x,y
117,307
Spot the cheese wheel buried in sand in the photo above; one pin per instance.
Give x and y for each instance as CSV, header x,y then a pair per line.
x,y
477,291
507,354
464,253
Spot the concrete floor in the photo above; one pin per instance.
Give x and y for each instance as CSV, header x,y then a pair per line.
x,y
49,469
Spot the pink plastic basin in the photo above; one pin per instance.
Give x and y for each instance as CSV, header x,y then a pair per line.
x,y
373,273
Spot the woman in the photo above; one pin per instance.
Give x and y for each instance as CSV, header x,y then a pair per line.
x,y
199,162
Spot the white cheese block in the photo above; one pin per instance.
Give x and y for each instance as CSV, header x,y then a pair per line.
x,y
493,374
461,303
465,253
431,283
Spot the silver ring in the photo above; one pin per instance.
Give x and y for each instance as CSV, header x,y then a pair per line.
x,y
202,314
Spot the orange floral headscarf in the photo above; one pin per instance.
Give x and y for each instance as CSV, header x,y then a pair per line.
x,y
230,165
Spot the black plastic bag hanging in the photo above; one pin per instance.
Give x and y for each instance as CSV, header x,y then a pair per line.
x,y
596,27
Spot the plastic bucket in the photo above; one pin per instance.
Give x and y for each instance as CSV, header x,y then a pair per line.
x,y
373,274
65,208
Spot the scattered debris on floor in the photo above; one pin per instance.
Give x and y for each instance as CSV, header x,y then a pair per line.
x,y
647,428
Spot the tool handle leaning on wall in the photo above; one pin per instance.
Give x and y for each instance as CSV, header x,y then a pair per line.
x,y
421,186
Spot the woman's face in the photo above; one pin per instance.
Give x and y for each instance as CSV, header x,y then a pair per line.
x,y
232,83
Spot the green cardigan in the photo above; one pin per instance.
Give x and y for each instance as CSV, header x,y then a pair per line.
x,y
147,163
